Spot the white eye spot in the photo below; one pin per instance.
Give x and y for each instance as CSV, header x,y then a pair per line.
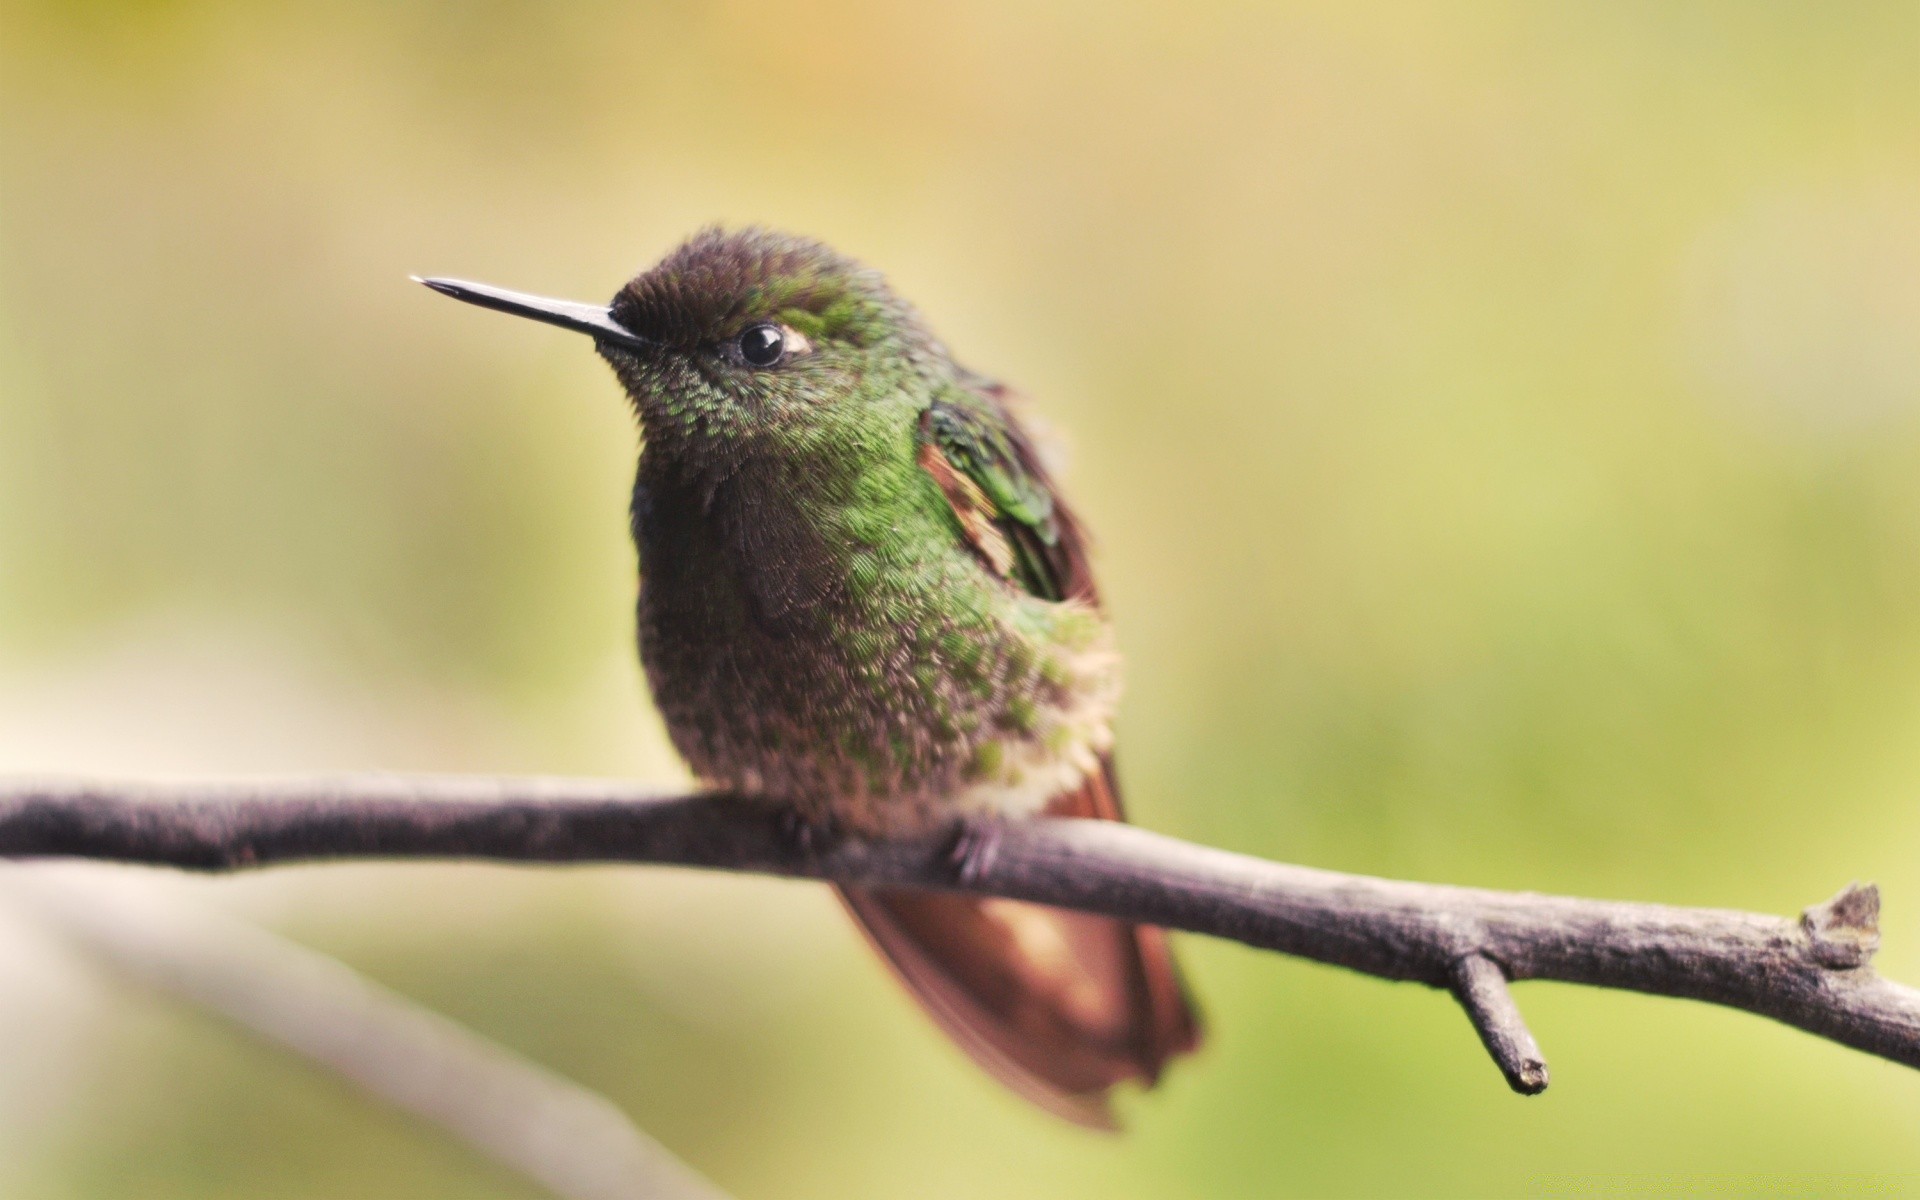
x,y
797,342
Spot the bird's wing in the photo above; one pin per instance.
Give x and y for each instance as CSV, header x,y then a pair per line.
x,y
1060,1006
1008,509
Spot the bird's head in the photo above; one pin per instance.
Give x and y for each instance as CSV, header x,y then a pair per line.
x,y
743,336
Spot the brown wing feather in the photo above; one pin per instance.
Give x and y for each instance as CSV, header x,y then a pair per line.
x,y
1060,1006
1175,1025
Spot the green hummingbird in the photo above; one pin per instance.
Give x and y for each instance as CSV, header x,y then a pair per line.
x,y
864,601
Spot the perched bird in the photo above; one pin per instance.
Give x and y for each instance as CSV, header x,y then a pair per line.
x,y
863,600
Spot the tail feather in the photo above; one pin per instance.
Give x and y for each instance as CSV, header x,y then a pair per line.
x,y
1060,1006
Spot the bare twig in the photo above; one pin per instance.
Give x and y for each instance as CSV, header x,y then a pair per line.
x,y
1482,990
568,1139
1813,974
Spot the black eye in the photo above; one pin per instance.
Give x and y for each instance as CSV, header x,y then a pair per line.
x,y
762,345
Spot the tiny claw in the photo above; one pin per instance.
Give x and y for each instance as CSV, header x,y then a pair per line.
x,y
975,846
808,835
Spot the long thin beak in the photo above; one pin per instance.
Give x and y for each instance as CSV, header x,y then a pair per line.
x,y
594,320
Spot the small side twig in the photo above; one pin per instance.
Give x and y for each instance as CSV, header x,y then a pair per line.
x,y
1482,990
1814,974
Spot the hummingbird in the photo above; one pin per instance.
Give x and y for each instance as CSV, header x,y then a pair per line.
x,y
864,603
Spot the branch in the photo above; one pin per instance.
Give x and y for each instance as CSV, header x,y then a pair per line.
x,y
1812,974
572,1141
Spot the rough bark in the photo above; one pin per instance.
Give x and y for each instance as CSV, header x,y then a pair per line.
x,y
1813,973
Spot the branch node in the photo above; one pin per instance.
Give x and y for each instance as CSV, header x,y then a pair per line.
x,y
1845,931
1481,988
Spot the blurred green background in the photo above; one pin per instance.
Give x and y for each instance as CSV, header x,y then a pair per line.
x,y
1502,422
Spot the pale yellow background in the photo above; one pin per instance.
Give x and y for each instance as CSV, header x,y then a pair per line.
x,y
1502,422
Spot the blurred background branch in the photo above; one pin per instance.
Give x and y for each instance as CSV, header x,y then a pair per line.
x,y
1814,975
564,1137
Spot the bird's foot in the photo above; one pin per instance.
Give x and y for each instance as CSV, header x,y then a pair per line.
x,y
809,835
975,847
